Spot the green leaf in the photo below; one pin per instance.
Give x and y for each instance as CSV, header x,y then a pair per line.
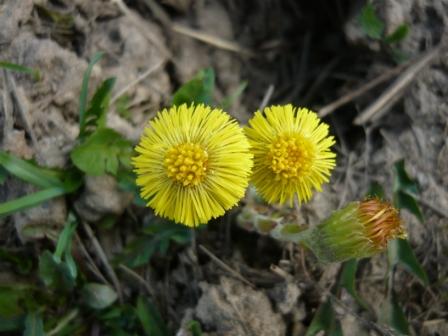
x,y
157,237
34,326
371,25
20,68
392,314
98,296
95,115
30,172
376,190
195,328
403,187
55,274
3,175
11,298
325,319
402,180
64,240
150,318
64,246
398,34
22,262
198,90
347,280
85,88
403,200
228,101
30,201
10,324
400,253
102,153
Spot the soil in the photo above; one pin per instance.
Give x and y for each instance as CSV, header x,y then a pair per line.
x,y
301,52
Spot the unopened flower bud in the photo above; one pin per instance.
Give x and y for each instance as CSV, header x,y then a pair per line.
x,y
359,230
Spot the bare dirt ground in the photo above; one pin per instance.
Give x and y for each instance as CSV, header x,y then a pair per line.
x,y
305,53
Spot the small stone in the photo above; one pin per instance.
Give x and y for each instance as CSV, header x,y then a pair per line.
x,y
101,197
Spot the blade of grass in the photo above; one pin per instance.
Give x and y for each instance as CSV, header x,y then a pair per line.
x,y
85,87
28,172
30,201
20,68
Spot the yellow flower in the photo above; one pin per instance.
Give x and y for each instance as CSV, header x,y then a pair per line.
x,y
194,163
292,153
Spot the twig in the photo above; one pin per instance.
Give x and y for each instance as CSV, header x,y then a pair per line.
x,y
159,13
323,74
102,255
137,277
266,98
223,265
212,40
137,80
381,329
135,19
63,322
24,115
396,90
327,109
427,204
8,121
348,176
241,319
91,264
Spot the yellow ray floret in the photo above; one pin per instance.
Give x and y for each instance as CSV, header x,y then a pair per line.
x,y
292,153
194,163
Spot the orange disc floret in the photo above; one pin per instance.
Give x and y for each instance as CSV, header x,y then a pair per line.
x,y
381,222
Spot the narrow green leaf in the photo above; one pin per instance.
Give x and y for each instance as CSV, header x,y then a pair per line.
x,y
150,318
20,68
370,22
228,101
400,253
195,328
98,296
376,190
34,326
102,152
402,200
198,90
30,201
30,172
324,319
10,324
392,314
404,187
95,115
55,274
402,180
398,34
347,281
65,237
64,246
85,88
3,174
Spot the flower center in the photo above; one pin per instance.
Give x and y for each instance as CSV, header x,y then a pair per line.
x,y
291,156
186,163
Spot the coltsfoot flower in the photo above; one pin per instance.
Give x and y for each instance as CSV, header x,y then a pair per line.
x,y
194,163
292,153
359,230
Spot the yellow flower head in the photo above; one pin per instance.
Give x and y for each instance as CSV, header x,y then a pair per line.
x,y
292,153
194,163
